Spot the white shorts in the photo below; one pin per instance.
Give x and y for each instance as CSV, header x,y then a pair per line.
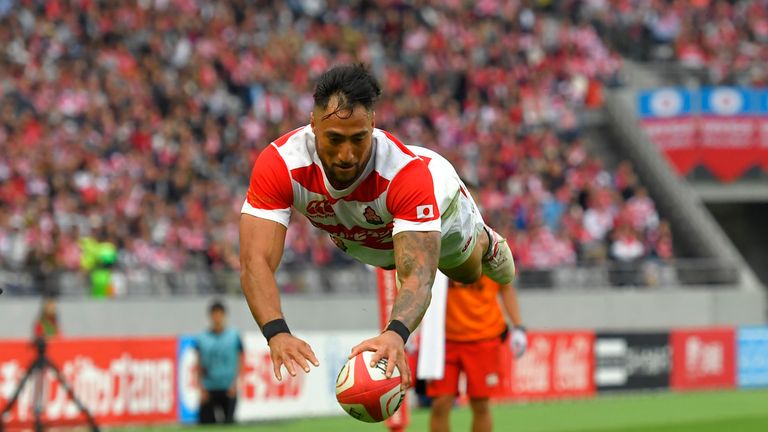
x,y
461,223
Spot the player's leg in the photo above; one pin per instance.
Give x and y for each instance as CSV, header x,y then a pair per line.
x,y
498,263
220,405
444,391
471,248
440,418
481,414
481,362
229,413
472,268
206,413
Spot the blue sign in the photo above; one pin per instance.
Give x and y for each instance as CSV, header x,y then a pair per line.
x,y
726,101
664,103
762,101
188,392
752,357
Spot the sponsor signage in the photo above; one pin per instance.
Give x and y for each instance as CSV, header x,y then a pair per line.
x,y
188,385
728,145
260,395
556,365
120,381
666,118
703,358
762,127
724,129
752,358
627,361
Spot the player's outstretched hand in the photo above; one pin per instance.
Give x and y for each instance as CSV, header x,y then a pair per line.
x,y
388,345
289,351
518,341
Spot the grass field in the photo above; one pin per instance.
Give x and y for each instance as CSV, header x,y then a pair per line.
x,y
732,411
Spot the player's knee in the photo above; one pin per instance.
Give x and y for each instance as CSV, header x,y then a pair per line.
x,y
480,406
441,406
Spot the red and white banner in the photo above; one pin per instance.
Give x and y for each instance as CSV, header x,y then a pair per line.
x,y
728,146
703,358
722,129
762,133
119,381
556,365
677,139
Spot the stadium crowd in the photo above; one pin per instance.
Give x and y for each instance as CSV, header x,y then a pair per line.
x,y
137,123
726,41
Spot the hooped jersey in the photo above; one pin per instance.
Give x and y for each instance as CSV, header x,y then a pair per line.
x,y
399,190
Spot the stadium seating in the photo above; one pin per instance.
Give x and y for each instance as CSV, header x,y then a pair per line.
x,y
712,42
136,124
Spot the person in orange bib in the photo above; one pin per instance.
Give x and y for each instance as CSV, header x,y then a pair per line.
x,y
475,330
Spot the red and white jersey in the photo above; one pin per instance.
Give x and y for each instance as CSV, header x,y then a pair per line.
x,y
399,190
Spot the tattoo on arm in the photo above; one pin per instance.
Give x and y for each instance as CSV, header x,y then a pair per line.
x,y
416,258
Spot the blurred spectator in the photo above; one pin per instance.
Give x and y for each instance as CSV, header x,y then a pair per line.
x,y
626,246
724,40
47,324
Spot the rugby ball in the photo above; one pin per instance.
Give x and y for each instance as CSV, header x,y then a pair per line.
x,y
364,392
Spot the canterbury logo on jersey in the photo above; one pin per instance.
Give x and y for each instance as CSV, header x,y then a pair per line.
x,y
320,208
425,212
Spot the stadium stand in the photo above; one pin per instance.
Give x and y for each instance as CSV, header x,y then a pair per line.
x,y
135,125
701,42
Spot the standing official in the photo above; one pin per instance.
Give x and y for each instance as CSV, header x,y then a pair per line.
x,y
475,330
221,359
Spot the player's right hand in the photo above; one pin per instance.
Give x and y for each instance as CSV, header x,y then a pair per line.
x,y
518,341
388,345
289,351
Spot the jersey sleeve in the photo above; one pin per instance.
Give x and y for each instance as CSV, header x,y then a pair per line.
x,y
411,199
270,194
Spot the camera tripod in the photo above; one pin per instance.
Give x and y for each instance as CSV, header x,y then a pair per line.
x,y
37,370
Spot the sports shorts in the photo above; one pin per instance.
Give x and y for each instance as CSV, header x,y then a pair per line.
x,y
481,363
462,223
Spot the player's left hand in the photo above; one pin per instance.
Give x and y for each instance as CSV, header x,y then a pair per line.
x,y
388,345
518,341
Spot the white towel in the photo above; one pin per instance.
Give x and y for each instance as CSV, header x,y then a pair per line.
x,y
431,363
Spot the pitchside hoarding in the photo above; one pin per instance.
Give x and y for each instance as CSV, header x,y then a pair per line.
x,y
555,365
632,361
260,395
703,358
120,381
752,358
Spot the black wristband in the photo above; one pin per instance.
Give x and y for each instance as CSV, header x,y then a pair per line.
x,y
399,328
274,327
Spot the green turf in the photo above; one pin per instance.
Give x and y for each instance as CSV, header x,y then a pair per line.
x,y
738,411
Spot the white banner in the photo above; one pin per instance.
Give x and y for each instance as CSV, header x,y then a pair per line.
x,y
262,397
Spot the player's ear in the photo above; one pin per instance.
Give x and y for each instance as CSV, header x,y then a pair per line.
x,y
373,119
312,120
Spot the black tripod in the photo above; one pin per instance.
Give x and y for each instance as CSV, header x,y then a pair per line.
x,y
37,369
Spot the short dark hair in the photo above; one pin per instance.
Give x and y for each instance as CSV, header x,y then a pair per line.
x,y
352,84
217,305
